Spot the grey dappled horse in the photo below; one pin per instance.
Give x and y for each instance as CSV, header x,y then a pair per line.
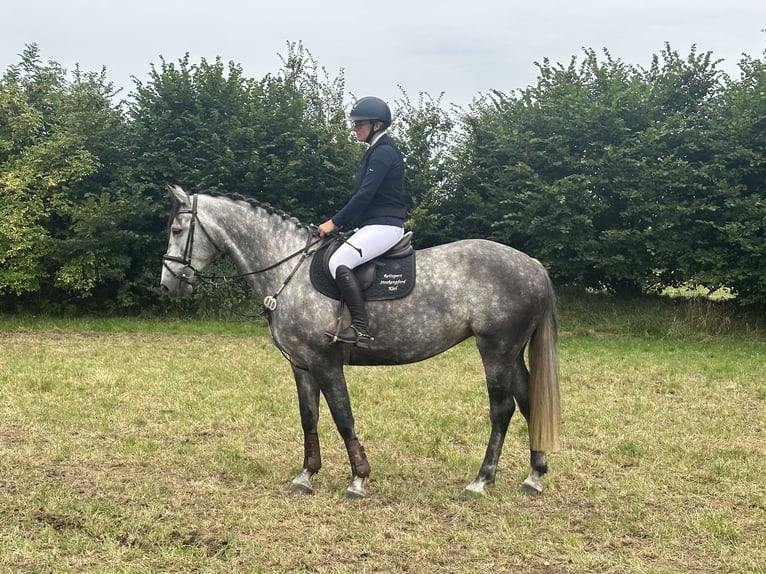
x,y
478,288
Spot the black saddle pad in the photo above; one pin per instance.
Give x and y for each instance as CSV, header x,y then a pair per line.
x,y
392,278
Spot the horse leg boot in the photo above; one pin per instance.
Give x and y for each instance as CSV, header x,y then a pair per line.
x,y
360,469
312,462
358,332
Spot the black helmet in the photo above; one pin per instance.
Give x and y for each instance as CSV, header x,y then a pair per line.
x,y
371,108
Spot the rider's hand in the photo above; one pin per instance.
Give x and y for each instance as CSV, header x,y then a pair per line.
x,y
326,228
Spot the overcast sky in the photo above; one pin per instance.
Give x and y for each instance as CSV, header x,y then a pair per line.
x,y
463,49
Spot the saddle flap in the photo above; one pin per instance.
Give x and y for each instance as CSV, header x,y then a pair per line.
x,y
389,276
366,272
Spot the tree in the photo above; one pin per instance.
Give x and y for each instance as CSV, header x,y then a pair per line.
x,y
601,170
614,176
280,139
737,257
55,137
541,163
424,135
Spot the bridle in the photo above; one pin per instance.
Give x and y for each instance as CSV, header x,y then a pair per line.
x,y
188,272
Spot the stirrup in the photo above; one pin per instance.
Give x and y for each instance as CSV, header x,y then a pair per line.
x,y
351,335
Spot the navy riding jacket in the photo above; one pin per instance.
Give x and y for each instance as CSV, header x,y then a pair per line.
x,y
378,189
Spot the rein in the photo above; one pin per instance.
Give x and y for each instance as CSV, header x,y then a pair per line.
x,y
189,272
270,301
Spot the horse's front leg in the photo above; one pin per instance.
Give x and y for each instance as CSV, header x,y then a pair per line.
x,y
360,469
336,395
308,402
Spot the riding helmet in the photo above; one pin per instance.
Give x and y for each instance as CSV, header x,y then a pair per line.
x,y
371,108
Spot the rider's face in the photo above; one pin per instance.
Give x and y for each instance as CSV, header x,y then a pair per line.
x,y
362,129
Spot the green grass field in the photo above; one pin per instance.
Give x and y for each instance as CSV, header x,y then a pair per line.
x,y
139,446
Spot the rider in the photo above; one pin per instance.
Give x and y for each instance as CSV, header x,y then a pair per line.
x,y
377,207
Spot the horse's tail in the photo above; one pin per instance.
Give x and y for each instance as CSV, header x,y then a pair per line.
x,y
544,395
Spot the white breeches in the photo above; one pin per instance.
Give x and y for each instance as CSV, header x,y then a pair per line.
x,y
371,240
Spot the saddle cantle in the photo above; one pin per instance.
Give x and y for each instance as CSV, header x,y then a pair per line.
x,y
389,276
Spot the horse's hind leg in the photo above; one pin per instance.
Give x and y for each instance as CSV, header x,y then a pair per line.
x,y
500,383
308,401
538,460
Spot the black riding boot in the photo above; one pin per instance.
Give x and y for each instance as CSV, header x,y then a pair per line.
x,y
358,332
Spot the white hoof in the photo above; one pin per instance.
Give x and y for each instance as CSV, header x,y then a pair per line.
x,y
356,489
301,484
531,485
476,488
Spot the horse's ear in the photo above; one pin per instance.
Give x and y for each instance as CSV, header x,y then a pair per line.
x,y
179,195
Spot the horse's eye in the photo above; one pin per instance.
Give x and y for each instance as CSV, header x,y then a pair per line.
x,y
176,231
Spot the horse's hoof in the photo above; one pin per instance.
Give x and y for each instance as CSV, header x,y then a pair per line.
x,y
356,490
301,484
355,494
299,488
531,487
469,494
476,488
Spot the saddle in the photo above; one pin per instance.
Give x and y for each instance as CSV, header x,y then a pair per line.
x,y
388,276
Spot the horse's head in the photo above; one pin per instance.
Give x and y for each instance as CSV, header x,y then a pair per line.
x,y
190,247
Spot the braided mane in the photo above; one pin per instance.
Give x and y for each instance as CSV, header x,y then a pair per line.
x,y
271,210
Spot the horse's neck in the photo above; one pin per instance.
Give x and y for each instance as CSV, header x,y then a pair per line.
x,y
256,239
